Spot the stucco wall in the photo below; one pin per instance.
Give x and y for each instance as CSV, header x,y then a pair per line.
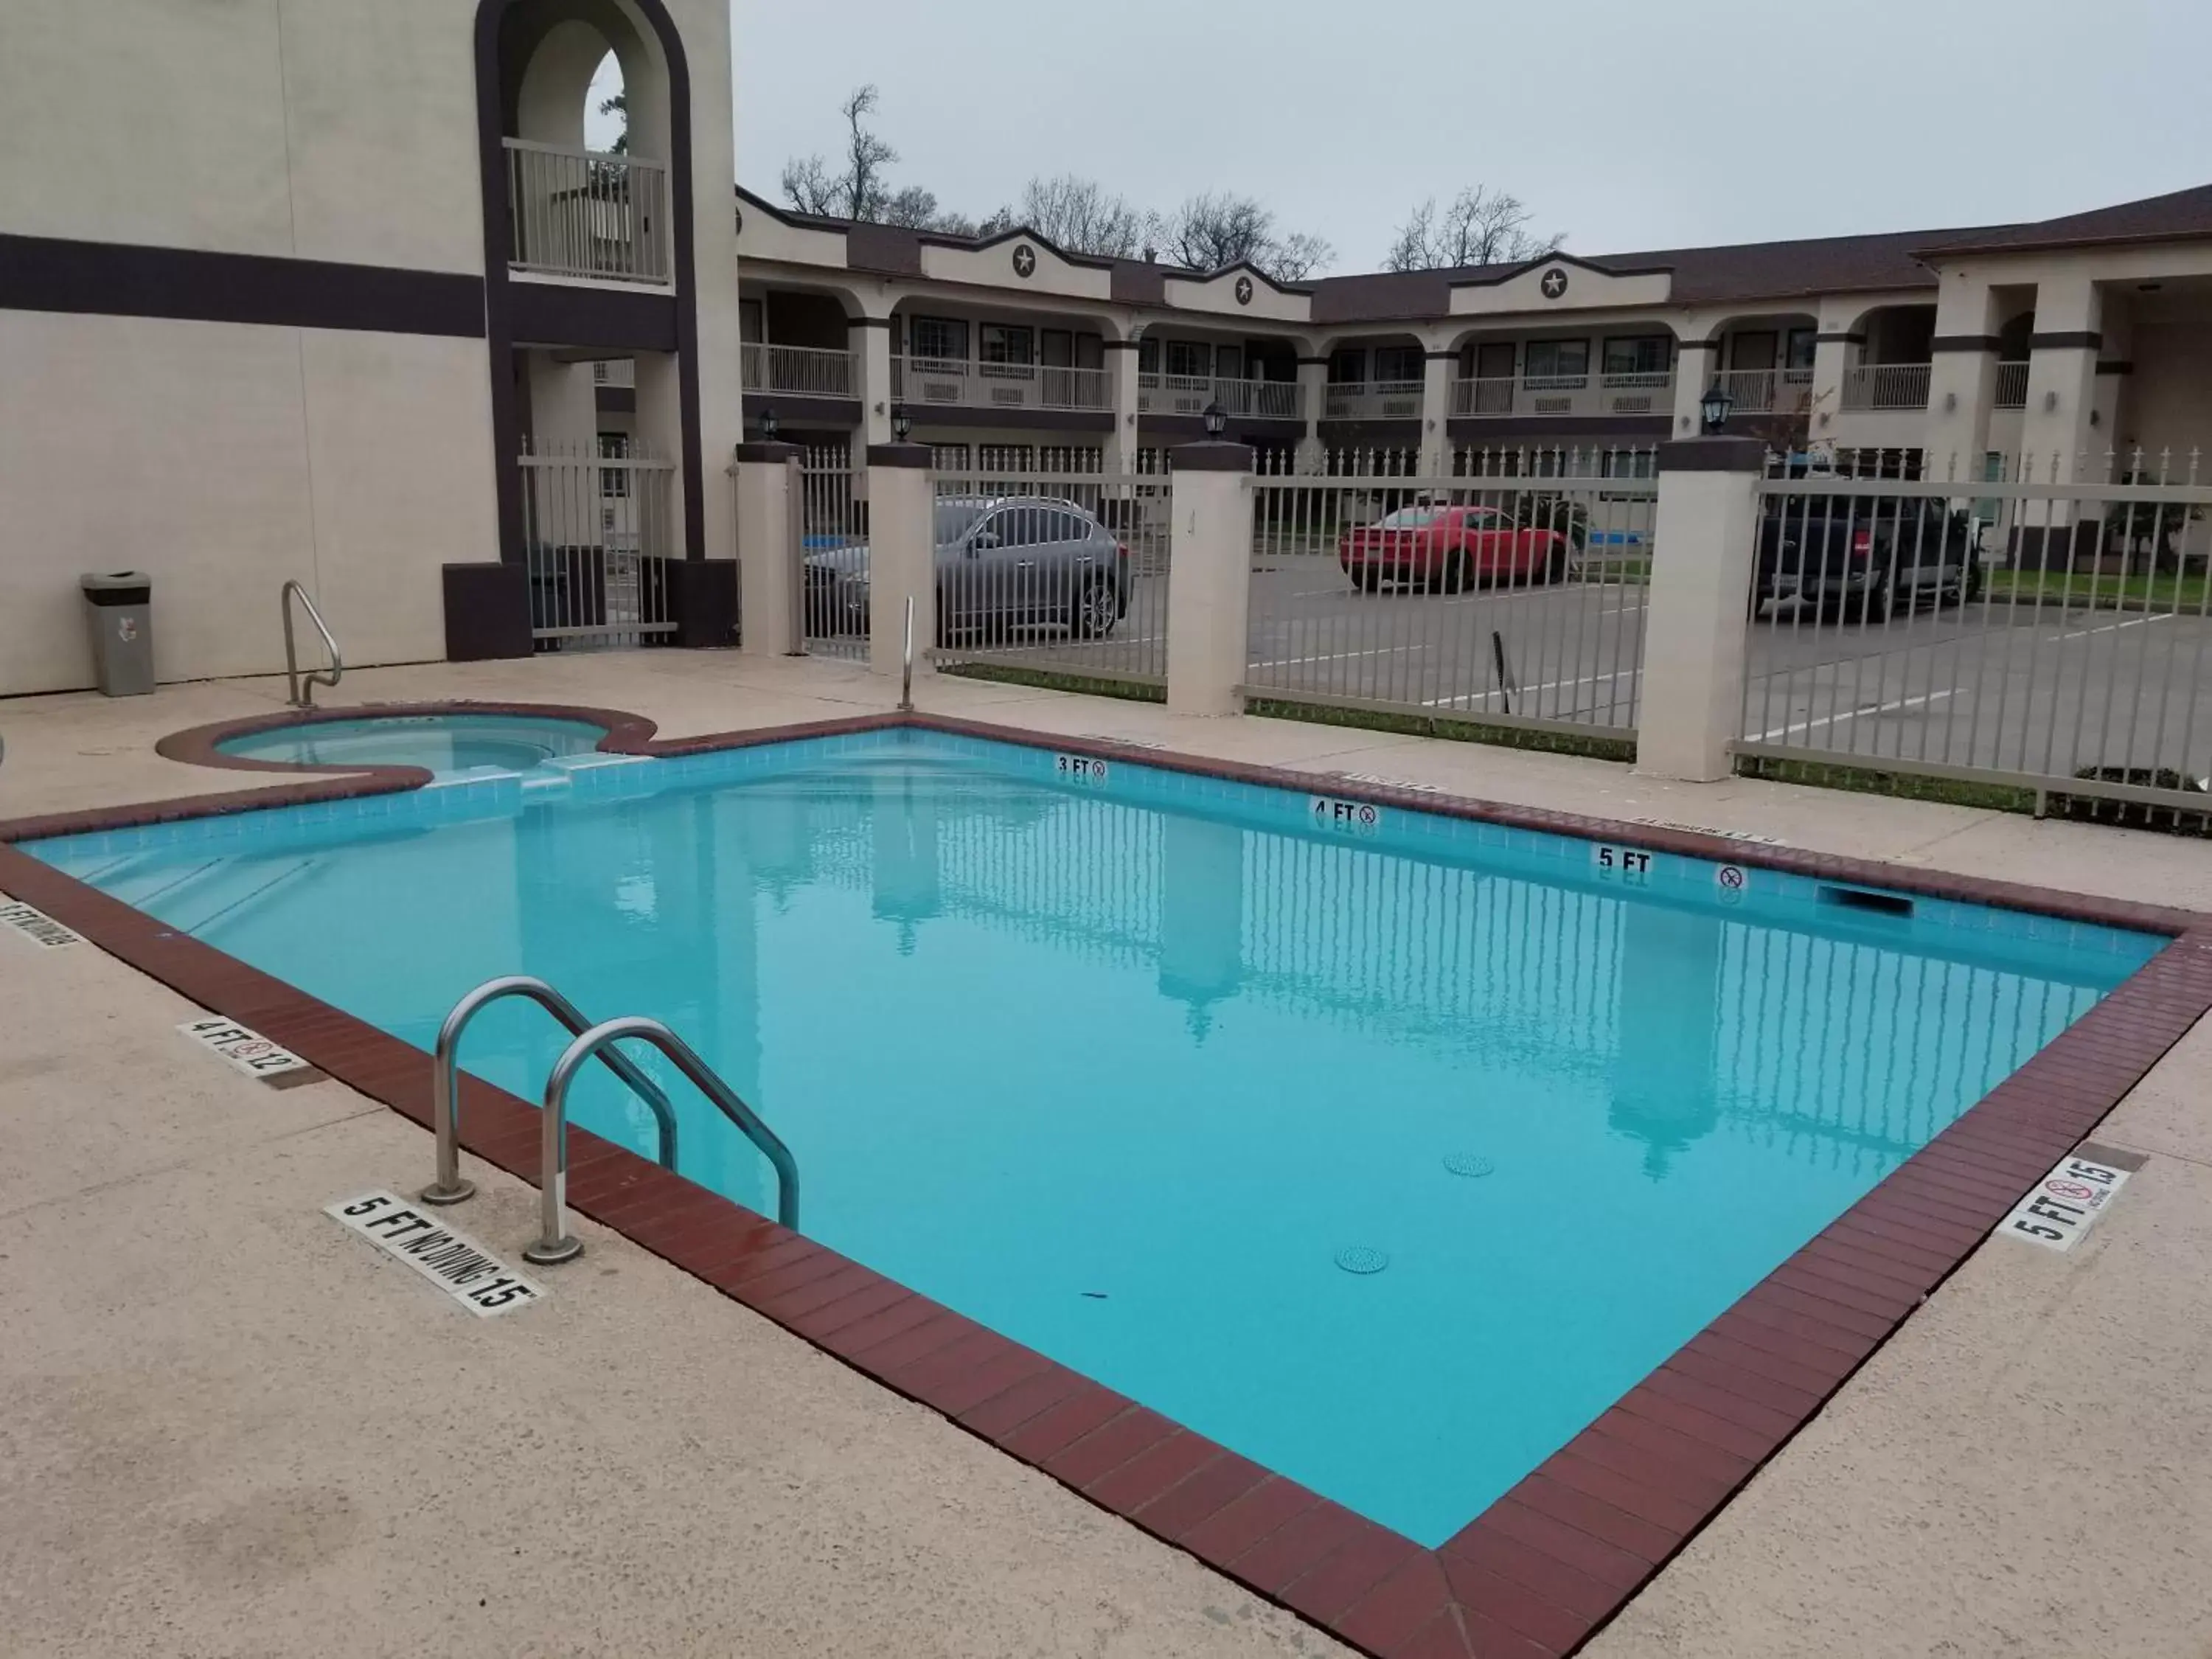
x,y
224,458
2168,399
317,129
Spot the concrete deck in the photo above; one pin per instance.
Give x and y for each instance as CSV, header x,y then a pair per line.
x,y
236,1430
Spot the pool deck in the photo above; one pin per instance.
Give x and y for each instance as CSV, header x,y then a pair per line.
x,y
235,1426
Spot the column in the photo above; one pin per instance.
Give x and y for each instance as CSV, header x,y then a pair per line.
x,y
1121,446
1436,411
2055,434
2113,367
1836,348
1696,363
902,556
1210,577
1313,399
768,552
869,340
1696,632
1962,383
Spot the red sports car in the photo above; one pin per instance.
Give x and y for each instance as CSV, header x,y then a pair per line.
x,y
1450,547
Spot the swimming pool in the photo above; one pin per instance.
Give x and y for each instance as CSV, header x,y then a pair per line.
x,y
443,743
1385,1149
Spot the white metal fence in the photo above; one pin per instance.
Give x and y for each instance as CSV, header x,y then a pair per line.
x,y
957,381
598,534
1064,572
1886,386
1509,591
2035,632
583,213
804,371
833,555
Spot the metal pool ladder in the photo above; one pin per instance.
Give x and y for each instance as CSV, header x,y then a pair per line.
x,y
295,695
554,1243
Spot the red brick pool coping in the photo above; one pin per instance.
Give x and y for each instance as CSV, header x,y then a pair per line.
x,y
1536,1573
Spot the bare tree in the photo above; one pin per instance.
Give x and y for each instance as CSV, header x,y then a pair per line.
x,y
1482,227
1221,227
1079,216
859,192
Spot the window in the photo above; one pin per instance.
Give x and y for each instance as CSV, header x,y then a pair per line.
x,y
937,336
1802,343
1639,354
1008,347
1564,364
1020,527
614,480
749,328
1408,518
1399,364
1191,357
1148,356
1347,366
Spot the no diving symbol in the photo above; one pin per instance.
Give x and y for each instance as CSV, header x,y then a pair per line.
x,y
1729,879
1554,283
2073,1189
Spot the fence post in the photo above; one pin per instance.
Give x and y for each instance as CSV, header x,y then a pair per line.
x,y
902,555
1209,576
768,576
1696,627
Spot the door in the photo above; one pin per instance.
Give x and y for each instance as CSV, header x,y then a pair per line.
x,y
1493,378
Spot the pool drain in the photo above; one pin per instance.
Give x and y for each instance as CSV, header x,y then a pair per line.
x,y
1468,1164
1358,1259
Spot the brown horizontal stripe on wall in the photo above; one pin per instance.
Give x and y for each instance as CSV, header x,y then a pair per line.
x,y
616,400
1963,342
1713,455
124,279
2087,339
806,411
2121,367
546,313
1840,339
1210,458
1242,429
1016,420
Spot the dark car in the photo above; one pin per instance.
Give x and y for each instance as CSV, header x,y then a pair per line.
x,y
1865,556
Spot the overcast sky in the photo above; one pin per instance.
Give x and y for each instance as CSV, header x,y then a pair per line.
x,y
1627,124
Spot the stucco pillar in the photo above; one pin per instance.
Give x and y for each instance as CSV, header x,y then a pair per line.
x,y
1209,578
1696,631
1835,348
869,340
1435,412
902,556
1122,372
564,406
2055,436
659,427
768,574
1696,362
1962,383
1313,399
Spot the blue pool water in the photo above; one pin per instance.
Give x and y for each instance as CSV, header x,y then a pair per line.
x,y
443,743
1386,1155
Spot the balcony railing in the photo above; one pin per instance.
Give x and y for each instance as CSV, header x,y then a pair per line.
x,y
1373,400
1886,386
2012,387
802,371
1189,394
582,213
1767,391
953,381
1646,393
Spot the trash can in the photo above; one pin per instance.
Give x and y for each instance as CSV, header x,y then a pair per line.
x,y
118,607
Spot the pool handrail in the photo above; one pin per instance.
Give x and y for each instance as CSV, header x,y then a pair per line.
x,y
555,1242
331,676
450,1187
906,662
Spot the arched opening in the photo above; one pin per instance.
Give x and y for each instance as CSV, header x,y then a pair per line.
x,y
1764,362
1895,358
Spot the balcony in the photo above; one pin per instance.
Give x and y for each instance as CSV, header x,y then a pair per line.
x,y
1767,391
1629,394
2012,387
1886,386
956,382
801,371
582,213
1372,400
1189,394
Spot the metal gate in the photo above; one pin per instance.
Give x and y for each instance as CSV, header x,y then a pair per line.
x,y
2045,634
1509,591
597,538
833,555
